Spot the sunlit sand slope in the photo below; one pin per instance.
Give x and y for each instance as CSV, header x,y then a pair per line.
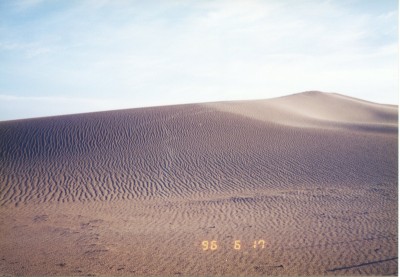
x,y
311,178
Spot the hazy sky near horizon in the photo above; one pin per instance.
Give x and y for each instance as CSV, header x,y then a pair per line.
x,y
61,57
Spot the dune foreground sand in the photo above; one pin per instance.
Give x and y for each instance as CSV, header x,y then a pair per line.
x,y
299,185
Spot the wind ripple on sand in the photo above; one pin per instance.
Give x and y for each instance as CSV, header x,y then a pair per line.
x,y
187,151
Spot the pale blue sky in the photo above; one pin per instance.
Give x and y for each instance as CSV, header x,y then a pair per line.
x,y
61,57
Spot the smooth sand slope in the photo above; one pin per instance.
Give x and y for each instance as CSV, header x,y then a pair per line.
x,y
137,192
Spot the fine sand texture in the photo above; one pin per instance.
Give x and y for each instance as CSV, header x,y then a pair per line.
x,y
305,184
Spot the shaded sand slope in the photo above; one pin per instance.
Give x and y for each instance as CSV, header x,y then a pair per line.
x,y
196,150
136,192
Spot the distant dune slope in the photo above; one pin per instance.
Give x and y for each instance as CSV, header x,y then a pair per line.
x,y
317,109
198,150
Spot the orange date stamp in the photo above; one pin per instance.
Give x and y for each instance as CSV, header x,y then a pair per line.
x,y
212,245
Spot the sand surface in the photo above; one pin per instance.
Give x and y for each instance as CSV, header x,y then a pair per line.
x,y
305,184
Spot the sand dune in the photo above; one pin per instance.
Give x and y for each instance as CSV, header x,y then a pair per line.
x,y
320,110
137,191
